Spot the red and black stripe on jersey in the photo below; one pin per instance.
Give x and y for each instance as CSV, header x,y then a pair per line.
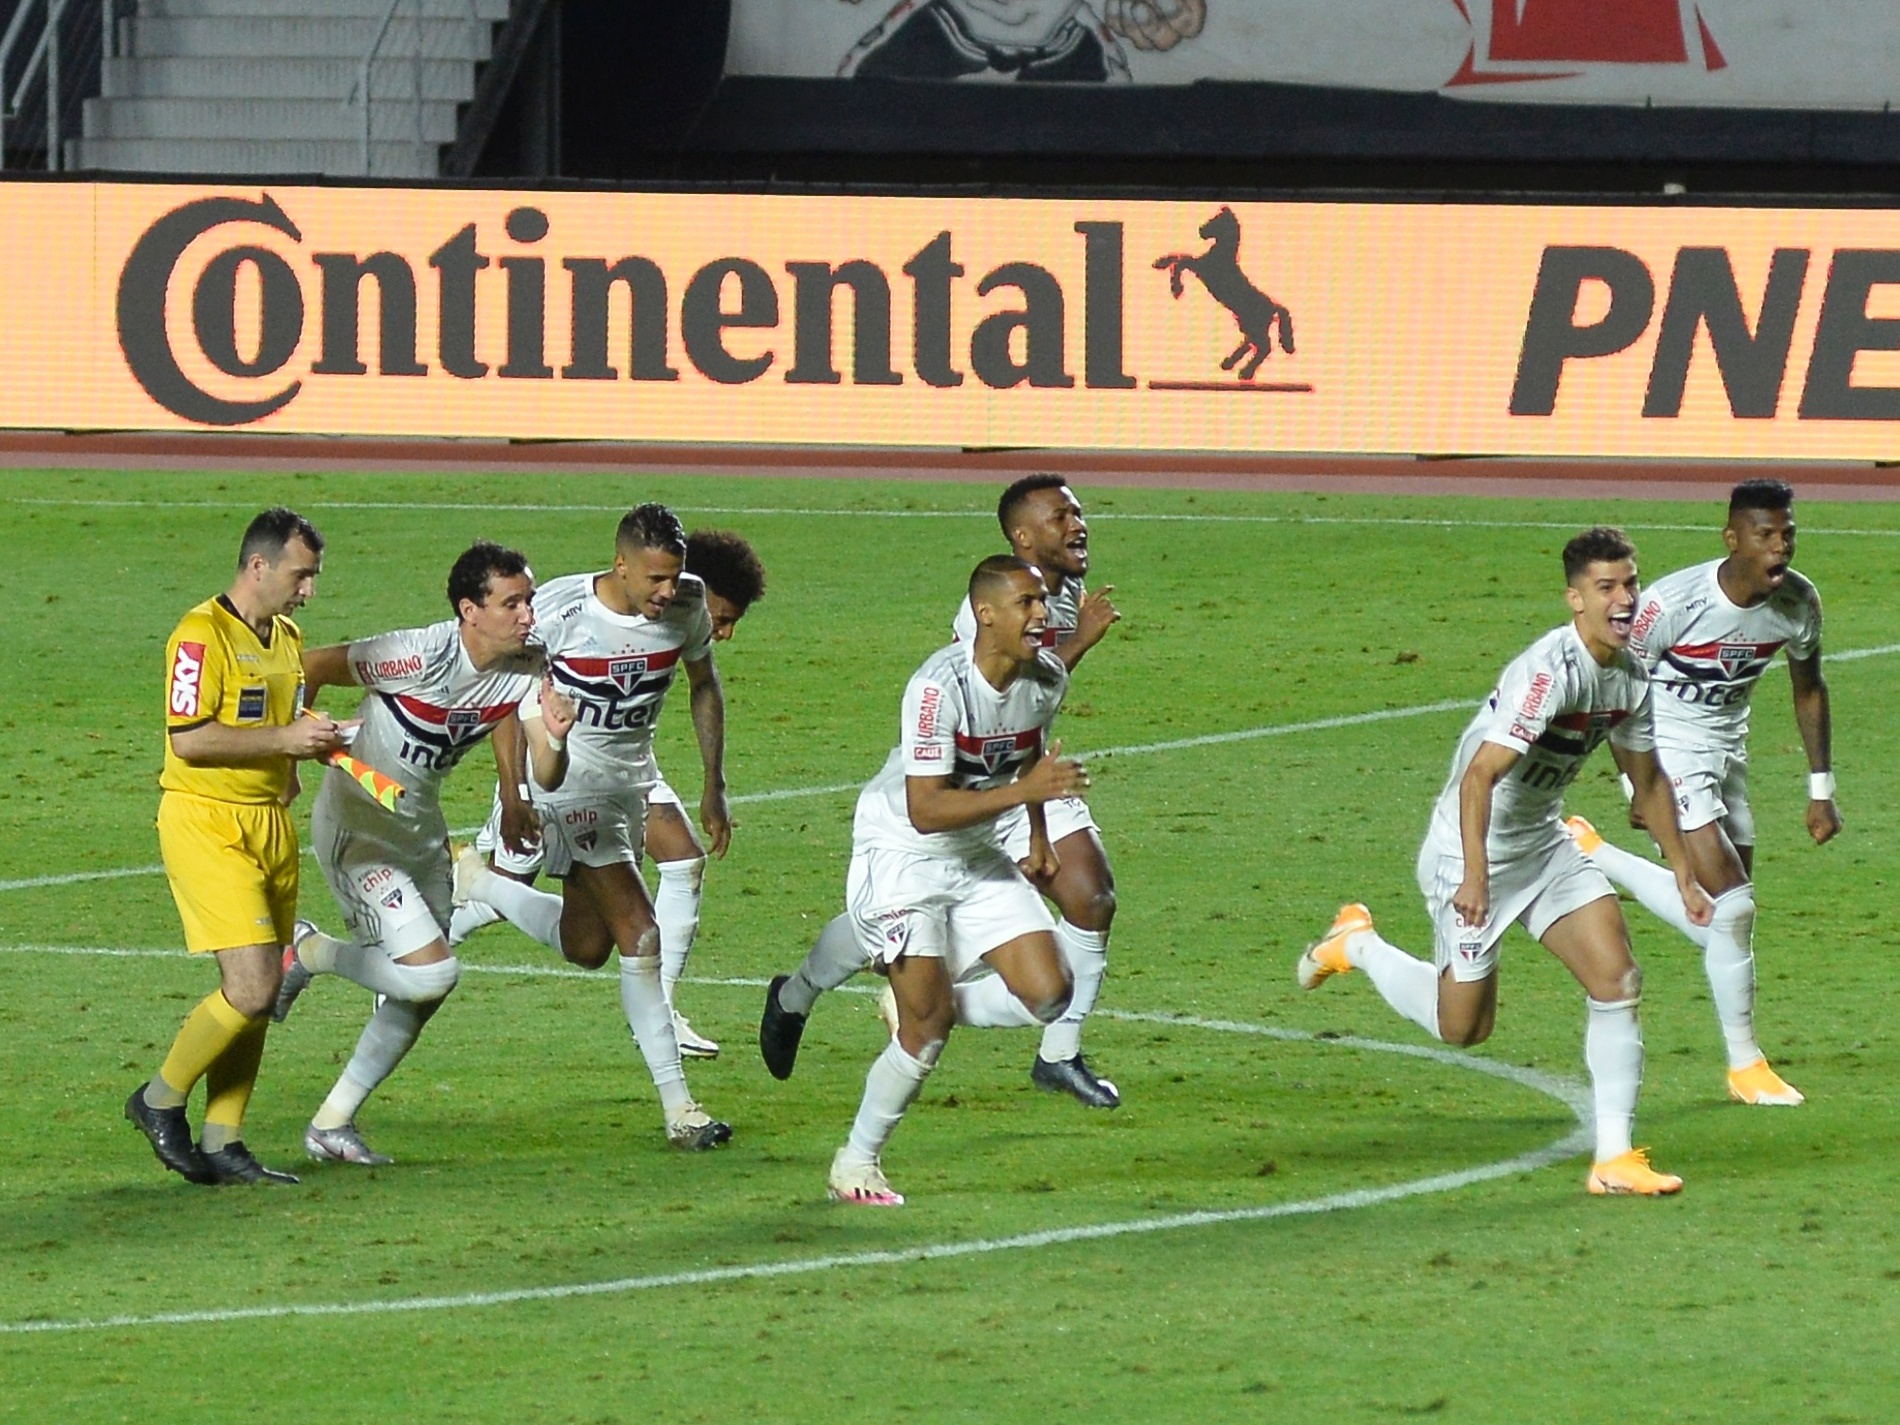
x,y
621,677
1579,734
996,756
1724,661
446,732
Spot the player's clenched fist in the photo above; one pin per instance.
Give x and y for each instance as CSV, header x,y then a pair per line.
x,y
1096,612
558,711
1155,24
1054,776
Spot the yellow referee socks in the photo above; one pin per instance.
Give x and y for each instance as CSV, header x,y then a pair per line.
x,y
228,1085
208,1031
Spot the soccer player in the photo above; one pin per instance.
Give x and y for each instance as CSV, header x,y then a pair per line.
x,y
1042,520
614,640
734,580
1497,852
932,895
1707,634
234,728
433,694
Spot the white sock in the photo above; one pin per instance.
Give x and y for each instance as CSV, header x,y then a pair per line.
x,y
652,1024
1729,959
317,952
892,1086
1613,1048
465,920
834,959
1410,985
988,1004
1653,886
390,1034
676,910
1087,954
537,914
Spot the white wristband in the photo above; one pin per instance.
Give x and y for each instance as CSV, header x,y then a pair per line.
x,y
556,744
1820,786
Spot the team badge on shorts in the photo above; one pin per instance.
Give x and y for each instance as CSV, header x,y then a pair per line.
x,y
394,899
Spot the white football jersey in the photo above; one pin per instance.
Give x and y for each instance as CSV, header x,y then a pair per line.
x,y
955,725
1064,609
1555,705
426,706
616,668
1705,653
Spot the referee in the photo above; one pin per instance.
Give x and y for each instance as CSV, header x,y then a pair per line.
x,y
234,727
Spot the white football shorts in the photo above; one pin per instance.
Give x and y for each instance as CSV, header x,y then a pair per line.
x,y
1535,890
1711,786
394,892
906,903
1065,817
591,830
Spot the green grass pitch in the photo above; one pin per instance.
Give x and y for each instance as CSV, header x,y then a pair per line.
x,y
530,1153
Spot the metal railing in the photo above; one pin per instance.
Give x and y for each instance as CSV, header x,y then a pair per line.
x,y
41,97
361,90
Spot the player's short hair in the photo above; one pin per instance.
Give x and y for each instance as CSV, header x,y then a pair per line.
x,y
476,565
651,526
728,565
993,573
1014,496
1760,495
271,532
1605,544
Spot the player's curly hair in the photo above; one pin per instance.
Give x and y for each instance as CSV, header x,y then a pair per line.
x,y
476,565
1014,496
1761,495
271,532
651,526
728,565
1603,545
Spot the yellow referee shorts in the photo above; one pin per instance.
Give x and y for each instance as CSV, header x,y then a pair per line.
x,y
233,870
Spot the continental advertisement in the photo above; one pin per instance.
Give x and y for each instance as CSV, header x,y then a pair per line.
x,y
1665,331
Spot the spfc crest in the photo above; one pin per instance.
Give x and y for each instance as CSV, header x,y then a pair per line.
x,y
463,723
625,672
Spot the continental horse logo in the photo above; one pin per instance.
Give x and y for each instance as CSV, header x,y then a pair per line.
x,y
1258,316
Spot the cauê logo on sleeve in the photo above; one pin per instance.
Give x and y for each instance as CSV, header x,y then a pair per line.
x,y
1025,344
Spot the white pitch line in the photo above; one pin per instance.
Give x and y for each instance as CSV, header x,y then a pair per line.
x,y
813,512
1572,1095
1140,749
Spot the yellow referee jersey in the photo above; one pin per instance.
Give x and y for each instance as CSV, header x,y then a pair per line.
x,y
218,670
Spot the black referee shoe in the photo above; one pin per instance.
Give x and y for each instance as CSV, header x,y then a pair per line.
x,y
779,1032
1075,1078
233,1163
169,1133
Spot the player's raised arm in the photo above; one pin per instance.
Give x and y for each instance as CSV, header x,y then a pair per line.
x,y
1814,720
543,721
1094,614
709,726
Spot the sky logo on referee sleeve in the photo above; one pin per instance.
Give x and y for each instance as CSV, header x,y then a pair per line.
x,y
187,677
